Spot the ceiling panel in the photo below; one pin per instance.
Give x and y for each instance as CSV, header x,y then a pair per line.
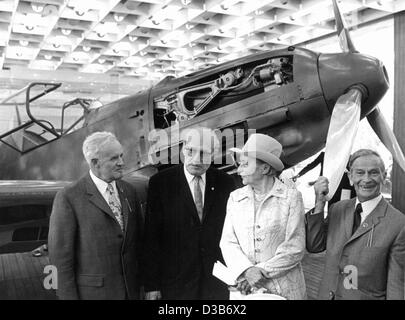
x,y
155,38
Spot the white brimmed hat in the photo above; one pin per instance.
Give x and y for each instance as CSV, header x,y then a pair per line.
x,y
263,147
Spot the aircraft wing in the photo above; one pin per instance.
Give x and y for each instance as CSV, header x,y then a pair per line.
x,y
13,192
25,208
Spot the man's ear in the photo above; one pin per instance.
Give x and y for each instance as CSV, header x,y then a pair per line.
x,y
94,163
350,178
384,176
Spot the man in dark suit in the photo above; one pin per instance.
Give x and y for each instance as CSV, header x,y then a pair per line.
x,y
364,237
95,224
185,214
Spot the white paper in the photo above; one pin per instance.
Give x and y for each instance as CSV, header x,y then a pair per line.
x,y
223,273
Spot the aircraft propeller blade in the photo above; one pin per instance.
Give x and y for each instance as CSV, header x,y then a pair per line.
x,y
345,40
384,132
342,131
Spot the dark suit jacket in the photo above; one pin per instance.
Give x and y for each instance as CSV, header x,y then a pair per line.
x,y
376,249
94,258
180,251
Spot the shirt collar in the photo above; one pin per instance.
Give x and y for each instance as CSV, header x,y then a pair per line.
x,y
190,177
101,184
279,189
369,205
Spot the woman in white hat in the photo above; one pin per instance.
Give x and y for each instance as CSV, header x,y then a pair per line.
x,y
263,239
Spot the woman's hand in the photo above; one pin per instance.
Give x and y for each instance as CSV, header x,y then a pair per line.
x,y
255,276
244,287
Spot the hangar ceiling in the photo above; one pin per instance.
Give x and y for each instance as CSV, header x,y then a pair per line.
x,y
153,38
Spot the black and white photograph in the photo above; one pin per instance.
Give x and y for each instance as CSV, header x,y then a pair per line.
x,y
204,154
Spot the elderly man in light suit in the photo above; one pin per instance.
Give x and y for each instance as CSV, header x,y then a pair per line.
x,y
364,237
94,234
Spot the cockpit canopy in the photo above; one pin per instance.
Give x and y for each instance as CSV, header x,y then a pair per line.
x,y
31,126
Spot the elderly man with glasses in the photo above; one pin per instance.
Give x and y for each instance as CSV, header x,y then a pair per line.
x,y
185,215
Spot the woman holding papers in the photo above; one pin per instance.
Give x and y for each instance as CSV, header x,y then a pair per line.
x,y
263,239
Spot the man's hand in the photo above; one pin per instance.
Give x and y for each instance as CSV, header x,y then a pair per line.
x,y
321,188
153,295
255,276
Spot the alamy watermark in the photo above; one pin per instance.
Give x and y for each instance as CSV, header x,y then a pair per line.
x,y
51,278
165,144
350,281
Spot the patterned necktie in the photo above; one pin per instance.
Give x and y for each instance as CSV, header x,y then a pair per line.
x,y
357,217
198,196
115,205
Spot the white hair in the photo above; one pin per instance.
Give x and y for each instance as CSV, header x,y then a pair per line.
x,y
205,134
94,142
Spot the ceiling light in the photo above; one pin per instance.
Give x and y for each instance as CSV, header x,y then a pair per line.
x,y
132,38
100,35
37,7
118,17
101,60
66,32
80,13
86,48
48,57
24,43
56,45
186,2
18,54
29,27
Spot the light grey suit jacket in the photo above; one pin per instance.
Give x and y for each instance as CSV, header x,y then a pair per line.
x,y
94,258
374,255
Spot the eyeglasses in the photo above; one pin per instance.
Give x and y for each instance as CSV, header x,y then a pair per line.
x,y
190,152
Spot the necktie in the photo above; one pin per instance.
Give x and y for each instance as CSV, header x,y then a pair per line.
x,y
115,205
357,217
198,196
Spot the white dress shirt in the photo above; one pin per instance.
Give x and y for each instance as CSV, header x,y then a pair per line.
x,y
190,181
102,186
368,206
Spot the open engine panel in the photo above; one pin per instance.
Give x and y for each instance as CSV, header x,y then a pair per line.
x,y
228,87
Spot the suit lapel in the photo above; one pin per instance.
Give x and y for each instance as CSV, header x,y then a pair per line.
x,y
185,195
209,192
97,199
348,218
372,219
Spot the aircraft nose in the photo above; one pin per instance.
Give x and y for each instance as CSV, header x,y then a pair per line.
x,y
340,71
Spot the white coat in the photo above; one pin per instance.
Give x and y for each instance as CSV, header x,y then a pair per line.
x,y
272,239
